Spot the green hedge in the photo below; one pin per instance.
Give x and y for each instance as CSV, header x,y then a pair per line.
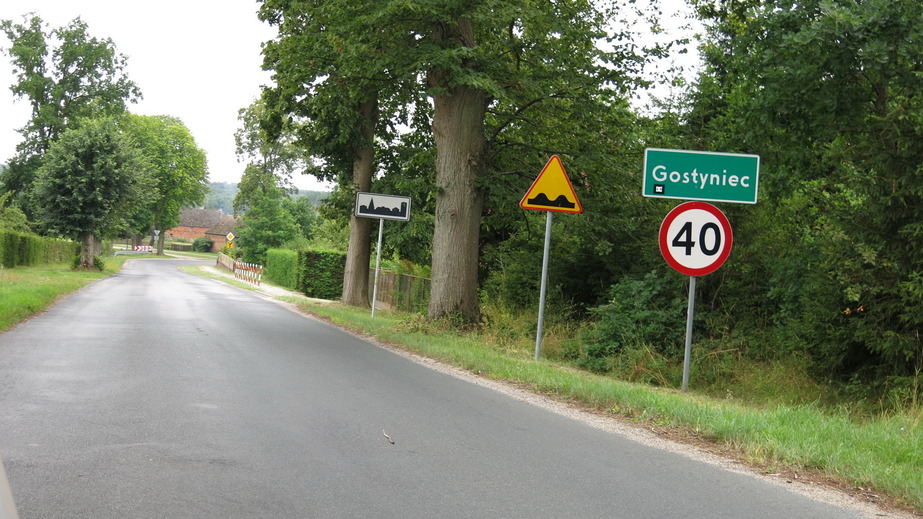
x,y
21,249
282,268
58,250
320,273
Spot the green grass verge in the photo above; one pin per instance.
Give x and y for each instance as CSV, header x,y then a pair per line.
x,y
885,453
25,291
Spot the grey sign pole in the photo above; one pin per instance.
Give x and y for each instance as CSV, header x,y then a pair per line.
x,y
381,226
690,311
541,297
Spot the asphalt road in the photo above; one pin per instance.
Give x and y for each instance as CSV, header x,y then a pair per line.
x,y
156,393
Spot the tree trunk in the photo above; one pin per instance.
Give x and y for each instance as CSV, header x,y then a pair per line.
x,y
458,127
87,251
356,275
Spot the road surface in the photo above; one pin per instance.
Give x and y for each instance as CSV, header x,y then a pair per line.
x,y
157,393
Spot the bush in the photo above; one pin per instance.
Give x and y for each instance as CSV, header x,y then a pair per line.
x,y
58,250
9,248
649,312
203,244
320,273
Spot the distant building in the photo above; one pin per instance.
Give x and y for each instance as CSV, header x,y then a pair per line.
x,y
213,224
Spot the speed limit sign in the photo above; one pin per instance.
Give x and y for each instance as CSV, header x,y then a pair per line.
x,y
695,238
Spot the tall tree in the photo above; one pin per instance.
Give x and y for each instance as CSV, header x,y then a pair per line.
x,y
267,224
66,75
179,167
494,67
92,179
829,92
275,158
482,63
331,69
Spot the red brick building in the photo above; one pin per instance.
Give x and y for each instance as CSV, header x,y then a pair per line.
x,y
213,224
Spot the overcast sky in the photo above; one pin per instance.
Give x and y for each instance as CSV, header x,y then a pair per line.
x,y
197,60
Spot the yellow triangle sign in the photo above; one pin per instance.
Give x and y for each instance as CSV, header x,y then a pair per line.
x,y
552,190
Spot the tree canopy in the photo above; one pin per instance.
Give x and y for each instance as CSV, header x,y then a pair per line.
x,y
828,93
66,75
476,73
92,179
180,171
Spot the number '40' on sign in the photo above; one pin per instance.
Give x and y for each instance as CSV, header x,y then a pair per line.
x,y
695,238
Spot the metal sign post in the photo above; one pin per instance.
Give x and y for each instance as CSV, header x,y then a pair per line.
x,y
544,287
381,226
695,239
687,355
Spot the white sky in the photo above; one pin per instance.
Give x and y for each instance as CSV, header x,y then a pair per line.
x,y
198,60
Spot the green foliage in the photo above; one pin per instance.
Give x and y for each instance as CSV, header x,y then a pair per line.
x,y
302,210
524,80
202,244
330,234
642,315
178,166
24,249
320,273
9,248
66,75
11,217
267,225
282,268
270,161
57,250
92,180
827,93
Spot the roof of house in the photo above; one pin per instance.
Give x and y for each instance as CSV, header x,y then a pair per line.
x,y
223,227
199,217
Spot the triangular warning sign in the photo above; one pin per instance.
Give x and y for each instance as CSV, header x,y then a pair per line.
x,y
552,190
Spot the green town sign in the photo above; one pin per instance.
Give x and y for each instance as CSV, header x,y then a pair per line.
x,y
701,175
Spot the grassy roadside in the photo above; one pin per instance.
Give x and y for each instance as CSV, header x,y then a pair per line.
x,y
25,291
867,457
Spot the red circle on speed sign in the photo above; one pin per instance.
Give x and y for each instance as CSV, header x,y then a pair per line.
x,y
695,238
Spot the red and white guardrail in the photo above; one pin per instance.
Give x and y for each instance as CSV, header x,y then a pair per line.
x,y
249,272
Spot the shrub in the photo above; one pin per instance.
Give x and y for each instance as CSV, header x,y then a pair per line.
x,y
320,273
203,244
58,250
22,249
9,248
651,311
